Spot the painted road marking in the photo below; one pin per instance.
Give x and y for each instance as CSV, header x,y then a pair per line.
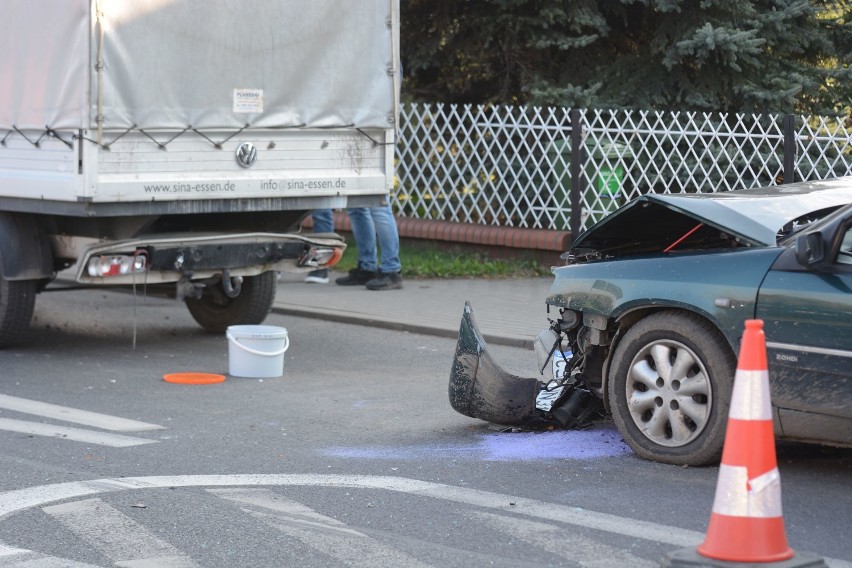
x,y
323,534
22,499
20,558
29,559
73,434
75,415
586,552
117,536
298,513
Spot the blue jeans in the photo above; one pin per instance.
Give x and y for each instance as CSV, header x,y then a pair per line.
x,y
323,220
369,223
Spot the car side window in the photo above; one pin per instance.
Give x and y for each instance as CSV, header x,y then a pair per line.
x,y
844,254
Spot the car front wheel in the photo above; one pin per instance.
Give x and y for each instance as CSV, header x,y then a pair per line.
x,y
670,385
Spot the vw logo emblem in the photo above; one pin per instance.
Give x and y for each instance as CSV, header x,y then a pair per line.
x,y
246,154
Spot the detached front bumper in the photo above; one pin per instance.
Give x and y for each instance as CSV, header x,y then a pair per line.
x,y
479,388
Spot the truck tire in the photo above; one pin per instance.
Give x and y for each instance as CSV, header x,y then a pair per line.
x,y
670,384
215,311
17,302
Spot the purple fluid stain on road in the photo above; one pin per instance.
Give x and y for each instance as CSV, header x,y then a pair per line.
x,y
594,443
559,444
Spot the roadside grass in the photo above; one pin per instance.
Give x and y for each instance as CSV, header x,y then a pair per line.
x,y
429,261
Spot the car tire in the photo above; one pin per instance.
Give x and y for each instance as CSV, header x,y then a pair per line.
x,y
669,388
17,302
214,311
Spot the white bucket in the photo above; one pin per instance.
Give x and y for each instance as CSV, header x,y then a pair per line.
x,y
256,351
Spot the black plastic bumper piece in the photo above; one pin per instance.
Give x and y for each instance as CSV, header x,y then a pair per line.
x,y
479,388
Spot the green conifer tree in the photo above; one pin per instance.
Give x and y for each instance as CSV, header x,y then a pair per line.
x,y
708,55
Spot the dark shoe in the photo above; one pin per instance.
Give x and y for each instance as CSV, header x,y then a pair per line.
x,y
357,277
385,281
317,276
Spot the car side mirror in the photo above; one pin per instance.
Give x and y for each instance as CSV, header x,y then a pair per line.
x,y
809,249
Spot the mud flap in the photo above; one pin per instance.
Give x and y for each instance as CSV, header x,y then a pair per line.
x,y
479,388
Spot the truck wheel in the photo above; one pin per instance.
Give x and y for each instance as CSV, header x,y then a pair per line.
x,y
670,384
215,311
17,301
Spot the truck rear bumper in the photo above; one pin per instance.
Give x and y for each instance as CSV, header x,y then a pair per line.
x,y
170,258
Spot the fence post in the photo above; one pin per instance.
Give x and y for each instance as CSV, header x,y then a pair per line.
x,y
577,181
789,148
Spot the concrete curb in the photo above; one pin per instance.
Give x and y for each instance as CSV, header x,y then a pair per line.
x,y
372,321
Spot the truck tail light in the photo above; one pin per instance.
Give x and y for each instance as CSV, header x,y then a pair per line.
x,y
325,257
336,255
117,264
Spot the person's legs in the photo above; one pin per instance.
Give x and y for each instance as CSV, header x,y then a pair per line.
x,y
323,220
323,223
388,236
364,232
388,277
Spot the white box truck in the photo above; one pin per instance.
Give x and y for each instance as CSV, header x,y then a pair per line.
x,y
178,143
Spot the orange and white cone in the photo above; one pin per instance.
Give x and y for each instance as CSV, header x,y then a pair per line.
x,y
747,524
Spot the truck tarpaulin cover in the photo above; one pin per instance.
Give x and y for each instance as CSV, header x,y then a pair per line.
x,y
201,63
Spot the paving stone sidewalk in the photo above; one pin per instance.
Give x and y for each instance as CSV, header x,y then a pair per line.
x,y
508,311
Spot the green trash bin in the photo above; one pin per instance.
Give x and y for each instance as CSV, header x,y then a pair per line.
x,y
603,194
605,170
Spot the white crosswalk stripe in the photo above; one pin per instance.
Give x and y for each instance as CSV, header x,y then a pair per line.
x,y
73,434
298,513
114,534
76,416
586,552
324,534
20,558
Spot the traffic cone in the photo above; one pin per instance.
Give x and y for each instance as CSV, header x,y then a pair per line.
x,y
746,524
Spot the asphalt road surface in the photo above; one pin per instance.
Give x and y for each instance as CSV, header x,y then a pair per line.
x,y
352,458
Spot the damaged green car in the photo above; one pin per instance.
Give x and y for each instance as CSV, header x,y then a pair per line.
x,y
645,321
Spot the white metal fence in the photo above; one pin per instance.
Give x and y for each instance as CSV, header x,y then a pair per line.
x,y
512,166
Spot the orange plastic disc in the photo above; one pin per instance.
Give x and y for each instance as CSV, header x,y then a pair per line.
x,y
193,378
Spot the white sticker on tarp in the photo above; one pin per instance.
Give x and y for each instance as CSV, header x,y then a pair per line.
x,y
248,100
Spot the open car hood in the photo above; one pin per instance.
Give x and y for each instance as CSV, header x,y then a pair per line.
x,y
699,221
